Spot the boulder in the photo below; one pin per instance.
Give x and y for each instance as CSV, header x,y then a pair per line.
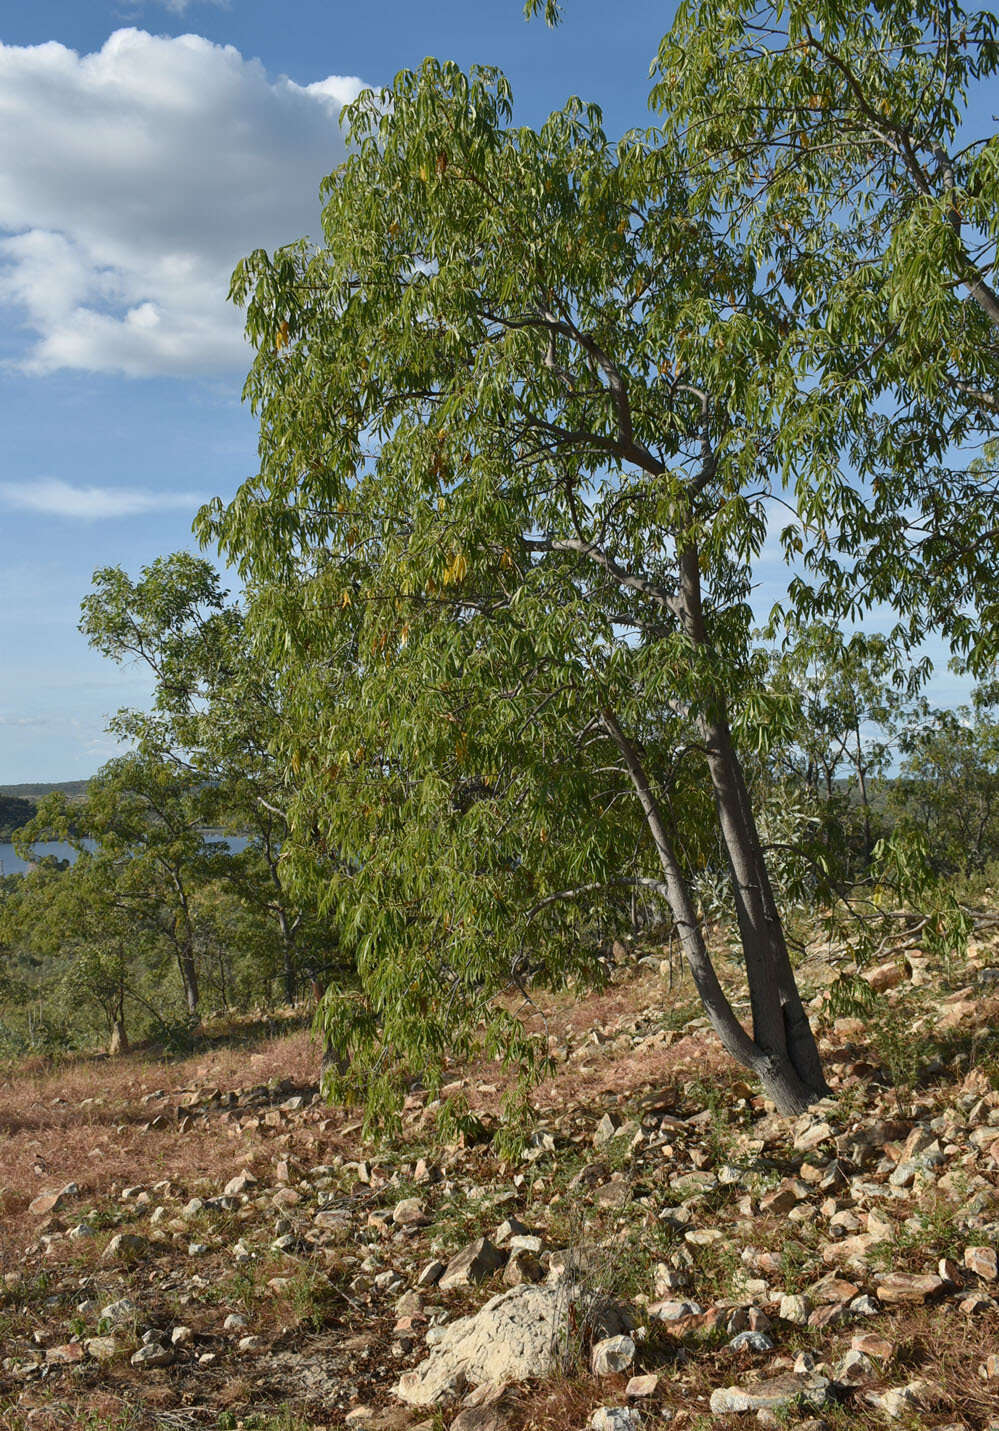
x,y
518,1334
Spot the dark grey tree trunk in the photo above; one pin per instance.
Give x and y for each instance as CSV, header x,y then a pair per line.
x,y
791,1084
189,979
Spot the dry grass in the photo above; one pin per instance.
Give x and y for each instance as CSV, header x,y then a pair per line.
x,y
82,1121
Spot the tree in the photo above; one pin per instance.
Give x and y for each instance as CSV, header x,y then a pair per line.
x,y
88,948
146,819
214,717
843,144
949,784
853,693
515,454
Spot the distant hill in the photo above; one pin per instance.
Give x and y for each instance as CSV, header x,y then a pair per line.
x,y
19,802
75,789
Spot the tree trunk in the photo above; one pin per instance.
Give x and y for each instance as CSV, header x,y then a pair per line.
x,y
189,979
781,1031
782,1064
780,1024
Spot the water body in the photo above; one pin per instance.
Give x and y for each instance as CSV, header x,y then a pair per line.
x,y
11,863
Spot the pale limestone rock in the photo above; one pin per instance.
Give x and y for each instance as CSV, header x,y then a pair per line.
x,y
517,1334
611,1355
770,1395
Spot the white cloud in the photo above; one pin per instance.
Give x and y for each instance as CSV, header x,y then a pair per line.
x,y
133,179
177,7
55,498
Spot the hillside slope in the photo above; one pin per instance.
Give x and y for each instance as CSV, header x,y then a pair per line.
x,y
205,1244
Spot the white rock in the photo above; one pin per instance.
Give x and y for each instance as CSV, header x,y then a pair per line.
x,y
611,1355
115,1313
616,1418
516,1335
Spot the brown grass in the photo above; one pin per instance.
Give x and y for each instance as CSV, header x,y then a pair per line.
x,y
50,1135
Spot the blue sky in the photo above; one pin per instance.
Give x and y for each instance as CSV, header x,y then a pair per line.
x,y
145,148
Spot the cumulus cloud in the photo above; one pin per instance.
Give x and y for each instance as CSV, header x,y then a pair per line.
x,y
133,179
55,498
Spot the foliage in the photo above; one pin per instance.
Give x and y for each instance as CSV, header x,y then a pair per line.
x,y
215,717
842,143
14,812
514,448
949,784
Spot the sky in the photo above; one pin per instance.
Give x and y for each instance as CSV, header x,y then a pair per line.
x,y
144,148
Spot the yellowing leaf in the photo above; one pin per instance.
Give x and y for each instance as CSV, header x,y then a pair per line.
x,y
345,597
457,569
281,340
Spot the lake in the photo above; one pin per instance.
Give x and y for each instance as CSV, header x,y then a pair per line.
x,y
10,863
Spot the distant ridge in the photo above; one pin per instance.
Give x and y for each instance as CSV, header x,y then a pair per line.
x,y
75,789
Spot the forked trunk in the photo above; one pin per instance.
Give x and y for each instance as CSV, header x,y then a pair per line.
x,y
782,1051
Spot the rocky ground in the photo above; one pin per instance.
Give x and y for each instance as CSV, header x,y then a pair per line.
x,y
205,1244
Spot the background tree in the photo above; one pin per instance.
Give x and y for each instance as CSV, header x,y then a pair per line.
x,y
949,785
852,693
147,818
86,950
215,716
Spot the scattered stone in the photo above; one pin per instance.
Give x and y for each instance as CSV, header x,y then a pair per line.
x,y
872,1345
510,1228
64,1355
885,976
523,1266
855,1368
101,1348
752,1341
127,1247
640,1386
896,1402
675,1311
516,1335
431,1274
116,1314
474,1263
780,1201
153,1354
919,1287
812,1135
51,1202
616,1418
770,1395
410,1212
243,1182
608,1128
983,1262
794,1309
611,1355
